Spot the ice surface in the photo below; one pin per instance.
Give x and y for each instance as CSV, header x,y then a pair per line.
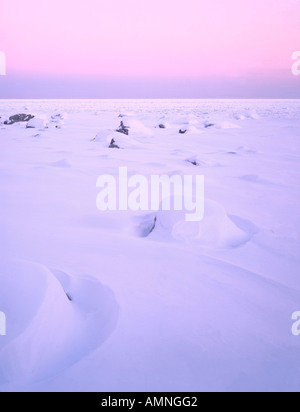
x,y
145,301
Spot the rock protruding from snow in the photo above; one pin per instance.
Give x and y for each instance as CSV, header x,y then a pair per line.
x,y
18,118
133,127
113,145
207,125
111,140
59,116
164,125
190,130
123,129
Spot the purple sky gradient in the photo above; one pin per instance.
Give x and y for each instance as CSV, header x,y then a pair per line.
x,y
149,48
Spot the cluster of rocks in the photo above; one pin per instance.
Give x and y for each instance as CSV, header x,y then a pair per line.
x,y
58,120
34,122
19,118
133,127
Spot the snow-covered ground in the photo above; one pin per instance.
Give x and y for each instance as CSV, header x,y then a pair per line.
x,y
93,304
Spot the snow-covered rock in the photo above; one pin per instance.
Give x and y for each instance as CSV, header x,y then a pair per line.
x,y
37,123
215,231
59,117
110,139
134,127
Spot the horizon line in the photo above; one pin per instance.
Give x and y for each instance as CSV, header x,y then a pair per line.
x,y
150,98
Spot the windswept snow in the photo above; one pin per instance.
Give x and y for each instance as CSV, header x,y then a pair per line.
x,y
146,301
217,230
53,320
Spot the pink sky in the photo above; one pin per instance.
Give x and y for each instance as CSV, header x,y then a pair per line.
x,y
150,38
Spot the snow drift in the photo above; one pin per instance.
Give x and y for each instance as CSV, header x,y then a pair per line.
x,y
54,320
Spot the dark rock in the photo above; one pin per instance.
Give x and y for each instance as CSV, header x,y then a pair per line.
x,y
162,126
193,162
182,131
154,226
123,129
207,125
113,145
57,116
69,297
147,226
18,118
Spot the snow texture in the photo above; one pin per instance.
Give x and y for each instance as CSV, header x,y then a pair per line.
x,y
145,301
